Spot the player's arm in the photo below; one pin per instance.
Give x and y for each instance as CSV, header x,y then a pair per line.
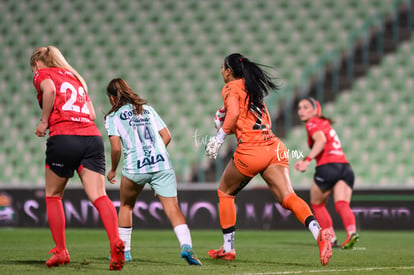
x,y
91,109
319,141
165,135
48,90
116,152
231,104
232,114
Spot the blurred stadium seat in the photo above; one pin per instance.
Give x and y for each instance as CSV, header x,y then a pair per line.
x,y
170,52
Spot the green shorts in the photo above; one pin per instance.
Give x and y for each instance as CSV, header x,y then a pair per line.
x,y
163,183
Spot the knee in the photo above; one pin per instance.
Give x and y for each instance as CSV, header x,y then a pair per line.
x,y
223,195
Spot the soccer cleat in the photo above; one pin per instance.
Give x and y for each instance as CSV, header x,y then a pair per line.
x,y
117,255
58,258
188,255
350,241
220,254
128,257
324,243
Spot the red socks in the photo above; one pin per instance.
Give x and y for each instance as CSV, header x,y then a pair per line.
x,y
108,215
348,217
56,218
322,215
227,210
324,218
298,206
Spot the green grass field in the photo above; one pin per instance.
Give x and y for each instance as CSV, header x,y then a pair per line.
x,y
24,251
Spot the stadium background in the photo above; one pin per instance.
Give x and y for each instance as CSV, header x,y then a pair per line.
x,y
354,56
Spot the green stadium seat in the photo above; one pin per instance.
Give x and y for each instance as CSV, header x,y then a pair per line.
x,y
171,53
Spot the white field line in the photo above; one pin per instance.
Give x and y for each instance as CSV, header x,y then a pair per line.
x,y
334,270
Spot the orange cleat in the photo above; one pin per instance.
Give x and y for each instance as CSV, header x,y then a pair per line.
x,y
58,258
117,255
220,254
324,243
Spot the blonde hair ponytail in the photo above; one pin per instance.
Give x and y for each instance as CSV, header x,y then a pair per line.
x,y
52,57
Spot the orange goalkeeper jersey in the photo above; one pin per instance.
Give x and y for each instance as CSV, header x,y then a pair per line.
x,y
252,126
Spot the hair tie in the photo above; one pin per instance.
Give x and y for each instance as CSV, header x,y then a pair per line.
x,y
241,58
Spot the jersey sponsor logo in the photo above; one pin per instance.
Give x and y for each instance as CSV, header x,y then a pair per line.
x,y
310,125
336,152
133,119
150,160
127,114
80,119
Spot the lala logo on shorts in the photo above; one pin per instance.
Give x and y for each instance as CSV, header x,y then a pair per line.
x,y
150,160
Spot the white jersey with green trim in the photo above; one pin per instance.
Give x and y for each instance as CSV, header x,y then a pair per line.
x,y
143,148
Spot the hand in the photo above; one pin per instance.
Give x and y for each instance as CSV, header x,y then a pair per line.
x,y
212,147
301,165
41,128
111,177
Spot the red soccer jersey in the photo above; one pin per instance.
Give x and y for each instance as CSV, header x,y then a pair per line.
x,y
70,114
332,152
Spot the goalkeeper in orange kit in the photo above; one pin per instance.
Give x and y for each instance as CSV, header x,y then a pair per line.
x,y
258,151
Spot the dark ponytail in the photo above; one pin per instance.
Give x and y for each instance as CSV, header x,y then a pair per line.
x,y
123,94
256,81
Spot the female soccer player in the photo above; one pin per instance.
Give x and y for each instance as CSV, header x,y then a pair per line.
x,y
258,151
137,130
333,175
74,143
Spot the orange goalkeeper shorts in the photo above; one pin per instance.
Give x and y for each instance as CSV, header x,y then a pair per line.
x,y
252,160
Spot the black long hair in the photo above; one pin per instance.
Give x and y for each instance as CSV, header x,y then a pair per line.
x,y
123,94
257,81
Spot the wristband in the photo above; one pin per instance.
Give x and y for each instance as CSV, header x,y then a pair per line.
x,y
308,158
221,135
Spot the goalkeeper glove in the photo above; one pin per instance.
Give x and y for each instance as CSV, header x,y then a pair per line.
x,y
215,143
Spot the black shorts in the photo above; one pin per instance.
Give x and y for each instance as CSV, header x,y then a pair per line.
x,y
65,154
327,175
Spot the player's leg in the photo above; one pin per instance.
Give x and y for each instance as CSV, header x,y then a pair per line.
x,y
129,192
164,184
94,186
231,182
55,186
278,179
180,227
318,200
92,174
59,168
342,197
